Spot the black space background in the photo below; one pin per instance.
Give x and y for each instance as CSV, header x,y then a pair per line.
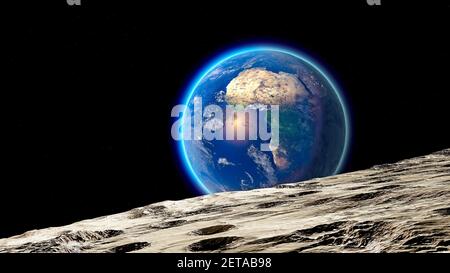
x,y
87,93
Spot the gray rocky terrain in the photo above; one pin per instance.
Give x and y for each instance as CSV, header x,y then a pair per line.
x,y
400,207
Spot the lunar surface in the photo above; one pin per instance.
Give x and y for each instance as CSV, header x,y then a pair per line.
x,y
400,207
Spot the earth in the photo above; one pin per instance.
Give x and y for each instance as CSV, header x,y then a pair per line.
x,y
313,129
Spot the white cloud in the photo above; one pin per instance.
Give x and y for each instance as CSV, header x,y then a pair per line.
x,y
224,162
263,162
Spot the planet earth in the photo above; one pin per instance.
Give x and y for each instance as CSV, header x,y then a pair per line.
x,y
313,124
